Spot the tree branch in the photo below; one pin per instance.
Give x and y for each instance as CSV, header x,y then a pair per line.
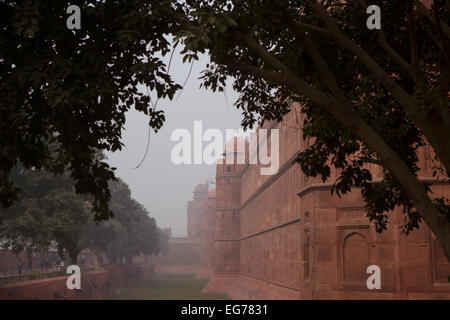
x,y
353,121
264,54
391,51
297,84
399,93
312,27
435,40
436,135
413,37
372,160
427,14
439,27
322,66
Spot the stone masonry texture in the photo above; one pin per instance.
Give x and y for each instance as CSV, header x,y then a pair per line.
x,y
285,236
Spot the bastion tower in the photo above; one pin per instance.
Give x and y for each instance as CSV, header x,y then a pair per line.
x,y
195,211
209,226
228,200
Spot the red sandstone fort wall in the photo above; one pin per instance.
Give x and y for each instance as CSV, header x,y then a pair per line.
x,y
195,209
209,226
195,215
94,285
228,199
186,254
339,243
287,237
270,244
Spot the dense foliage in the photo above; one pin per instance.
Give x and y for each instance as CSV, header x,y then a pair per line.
x,y
73,87
50,213
367,96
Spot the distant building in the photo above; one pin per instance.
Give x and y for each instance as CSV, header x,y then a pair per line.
x,y
168,231
195,211
185,253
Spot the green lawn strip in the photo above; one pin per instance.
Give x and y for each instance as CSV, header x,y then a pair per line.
x,y
169,287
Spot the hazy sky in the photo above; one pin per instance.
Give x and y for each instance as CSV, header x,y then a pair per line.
x,y
161,186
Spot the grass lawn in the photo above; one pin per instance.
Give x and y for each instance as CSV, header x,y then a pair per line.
x,y
168,287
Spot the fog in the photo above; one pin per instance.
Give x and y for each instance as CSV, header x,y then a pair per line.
x,y
161,186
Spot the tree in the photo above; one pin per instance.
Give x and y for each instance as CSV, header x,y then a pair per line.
x,y
49,212
98,236
68,216
136,231
368,96
73,87
163,242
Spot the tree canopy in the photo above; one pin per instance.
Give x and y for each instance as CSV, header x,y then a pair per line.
x,y
367,96
51,213
73,87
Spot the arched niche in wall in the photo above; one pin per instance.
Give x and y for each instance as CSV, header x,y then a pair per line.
x,y
353,254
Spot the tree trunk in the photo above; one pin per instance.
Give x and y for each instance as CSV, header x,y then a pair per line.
x,y
69,261
72,257
409,182
350,118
